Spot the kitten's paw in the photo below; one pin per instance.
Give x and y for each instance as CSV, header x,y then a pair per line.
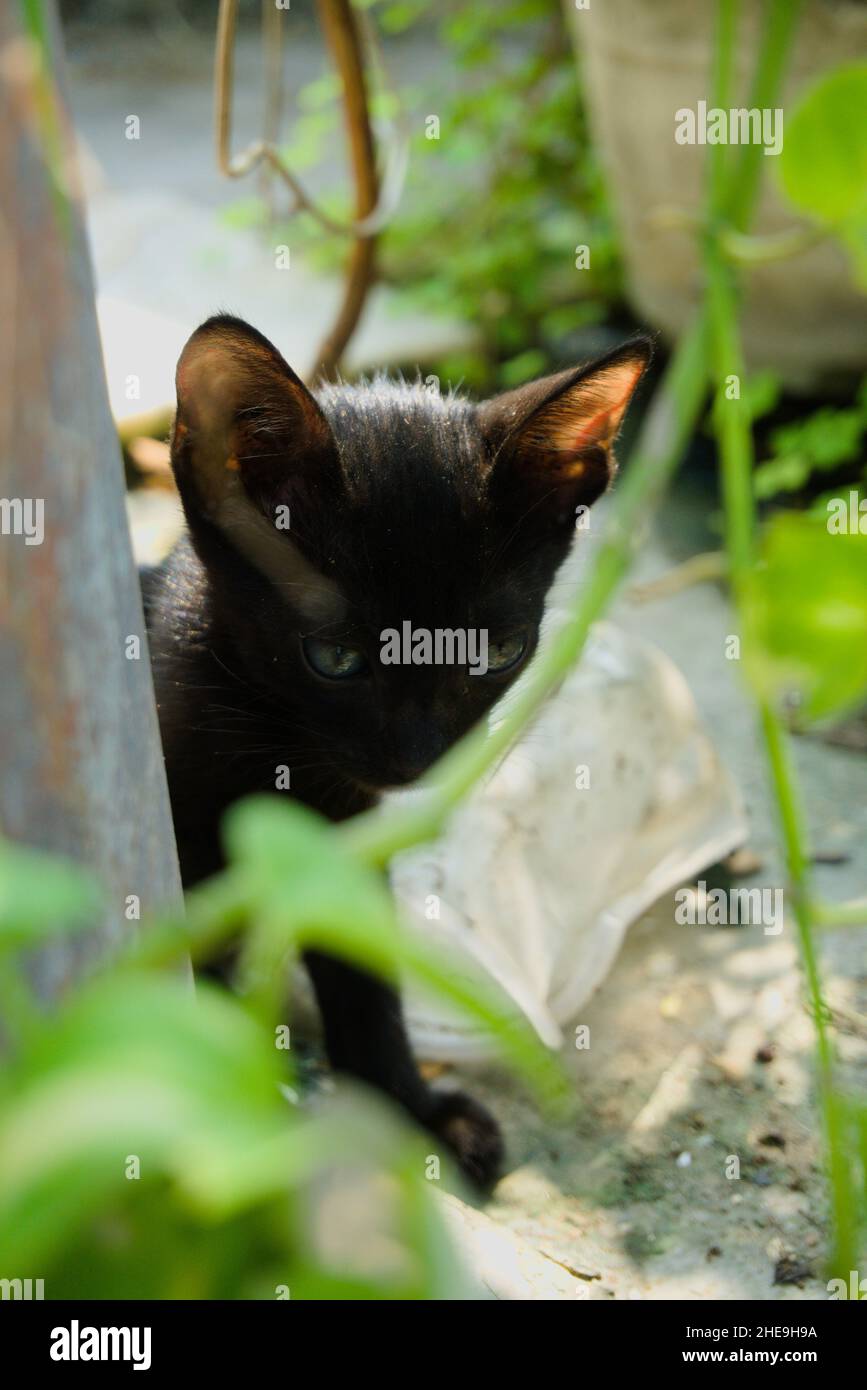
x,y
472,1135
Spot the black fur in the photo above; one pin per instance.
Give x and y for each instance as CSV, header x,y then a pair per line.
x,y
409,505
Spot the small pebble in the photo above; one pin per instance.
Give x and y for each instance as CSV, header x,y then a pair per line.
x,y
790,1269
669,1007
773,1141
743,862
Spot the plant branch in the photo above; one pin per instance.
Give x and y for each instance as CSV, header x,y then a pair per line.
x,y
734,436
778,246
851,914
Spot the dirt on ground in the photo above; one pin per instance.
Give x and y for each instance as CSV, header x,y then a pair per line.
x,y
692,1168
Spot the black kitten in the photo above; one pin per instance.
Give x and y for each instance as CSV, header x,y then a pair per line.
x,y
318,523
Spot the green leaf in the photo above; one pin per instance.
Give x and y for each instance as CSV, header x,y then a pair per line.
x,y
786,474
826,438
854,238
761,393
806,613
301,888
305,889
41,895
820,442
823,163
136,1066
244,213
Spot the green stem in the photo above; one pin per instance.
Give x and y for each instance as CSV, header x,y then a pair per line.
x,y
777,246
21,1017
852,914
734,435
834,1121
731,419
717,197
781,22
794,837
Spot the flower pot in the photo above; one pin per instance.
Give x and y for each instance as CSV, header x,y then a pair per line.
x,y
642,63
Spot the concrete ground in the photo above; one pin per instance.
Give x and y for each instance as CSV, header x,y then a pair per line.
x,y
701,1048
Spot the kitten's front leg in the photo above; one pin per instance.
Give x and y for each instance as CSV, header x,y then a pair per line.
x,y
366,1037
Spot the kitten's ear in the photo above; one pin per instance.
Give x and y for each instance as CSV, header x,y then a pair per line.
x,y
246,429
551,441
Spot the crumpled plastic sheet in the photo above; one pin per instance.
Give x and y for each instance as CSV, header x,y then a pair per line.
x,y
536,879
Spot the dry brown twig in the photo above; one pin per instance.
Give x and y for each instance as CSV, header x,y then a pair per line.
x,y
343,32
707,567
375,202
348,33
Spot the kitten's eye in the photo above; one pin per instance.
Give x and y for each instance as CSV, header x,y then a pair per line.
x,y
505,652
332,659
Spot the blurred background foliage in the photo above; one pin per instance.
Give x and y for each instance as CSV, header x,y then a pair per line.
x,y
512,189
510,184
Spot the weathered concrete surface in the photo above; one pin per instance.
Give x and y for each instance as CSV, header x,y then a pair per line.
x,y
81,770
634,1192
501,1265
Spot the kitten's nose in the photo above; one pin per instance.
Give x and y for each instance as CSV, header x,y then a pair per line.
x,y
417,741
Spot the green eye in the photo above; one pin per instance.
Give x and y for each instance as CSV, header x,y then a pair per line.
x,y
332,660
505,652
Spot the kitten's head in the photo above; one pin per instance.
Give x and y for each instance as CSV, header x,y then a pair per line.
x,y
337,529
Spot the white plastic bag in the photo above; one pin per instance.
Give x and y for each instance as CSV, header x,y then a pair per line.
x,y
613,797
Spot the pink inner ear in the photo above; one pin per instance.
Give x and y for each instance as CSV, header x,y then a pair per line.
x,y
592,413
